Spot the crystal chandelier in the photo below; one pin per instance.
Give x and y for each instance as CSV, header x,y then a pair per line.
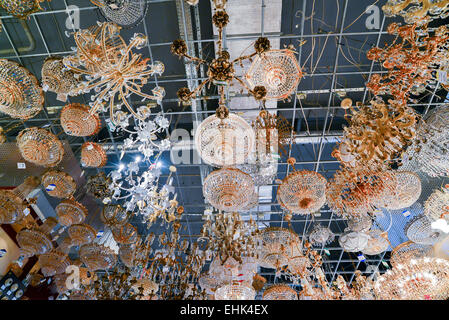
x,y
360,223
411,61
235,291
419,230
406,192
377,242
40,147
53,262
56,78
21,8
81,234
224,139
276,70
70,212
114,215
13,203
429,150
376,133
228,236
356,191
21,96
418,279
112,70
93,155
417,11
58,184
279,245
227,189
76,120
126,13
97,257
302,192
408,250
221,70
437,205
36,240
125,234
280,292
320,236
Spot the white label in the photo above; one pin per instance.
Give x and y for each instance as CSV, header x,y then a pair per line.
x,y
406,213
327,252
21,165
110,125
361,257
385,264
90,147
99,234
26,211
50,187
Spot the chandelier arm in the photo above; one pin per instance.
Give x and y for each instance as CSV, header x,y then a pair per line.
x,y
127,104
147,96
241,58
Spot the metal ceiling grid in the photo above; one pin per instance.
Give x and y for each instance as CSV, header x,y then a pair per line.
x,y
332,76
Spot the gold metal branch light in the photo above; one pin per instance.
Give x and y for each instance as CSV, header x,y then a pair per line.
x,y
221,70
112,70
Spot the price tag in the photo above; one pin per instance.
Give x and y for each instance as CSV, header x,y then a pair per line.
x,y
51,187
100,234
361,257
21,165
327,252
406,213
111,126
385,264
26,211
89,147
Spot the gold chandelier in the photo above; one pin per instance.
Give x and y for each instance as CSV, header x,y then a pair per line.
x,y
70,212
112,69
418,279
407,251
280,292
76,120
81,234
227,189
417,11
36,240
276,70
20,94
40,147
302,192
56,78
53,262
21,8
437,205
59,184
93,155
406,191
279,246
13,203
97,257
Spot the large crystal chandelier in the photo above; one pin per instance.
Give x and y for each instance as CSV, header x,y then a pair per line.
x,y
53,262
76,120
81,234
279,245
376,133
406,191
224,139
417,11
235,291
429,152
356,191
97,257
20,94
353,241
58,184
227,189
418,279
40,147
93,155
419,230
70,212
13,203
377,242
36,240
302,192
276,70
56,78
227,235
126,13
280,292
408,250
437,205
112,70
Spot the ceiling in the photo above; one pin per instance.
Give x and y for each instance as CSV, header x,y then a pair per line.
x,y
331,38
